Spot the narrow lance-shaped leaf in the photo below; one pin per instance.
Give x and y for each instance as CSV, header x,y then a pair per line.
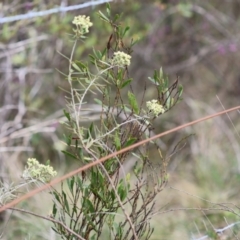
x,y
98,101
75,66
108,9
102,16
70,183
54,210
69,154
56,197
180,89
117,16
81,66
66,202
122,191
126,82
133,102
152,80
161,73
130,142
124,31
88,205
67,115
117,141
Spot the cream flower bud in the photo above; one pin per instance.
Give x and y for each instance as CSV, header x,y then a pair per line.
x,y
154,108
35,170
83,23
121,59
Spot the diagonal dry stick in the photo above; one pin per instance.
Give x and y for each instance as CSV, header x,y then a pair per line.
x,y
84,168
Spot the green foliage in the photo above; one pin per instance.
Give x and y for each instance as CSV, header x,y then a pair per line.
x,y
95,198
168,96
185,9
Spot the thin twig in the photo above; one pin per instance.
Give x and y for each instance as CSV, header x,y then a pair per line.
x,y
48,219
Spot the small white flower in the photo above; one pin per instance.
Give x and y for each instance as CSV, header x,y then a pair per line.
x,y
154,108
83,24
121,59
38,171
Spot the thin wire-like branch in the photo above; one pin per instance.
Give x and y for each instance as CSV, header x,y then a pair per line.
x,y
218,231
50,220
33,14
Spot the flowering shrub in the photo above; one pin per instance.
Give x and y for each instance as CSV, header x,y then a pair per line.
x,y
99,195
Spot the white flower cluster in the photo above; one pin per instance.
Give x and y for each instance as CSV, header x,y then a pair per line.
x,y
154,108
83,23
121,59
38,171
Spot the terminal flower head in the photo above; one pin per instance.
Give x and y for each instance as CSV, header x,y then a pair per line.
x,y
121,59
38,171
154,108
83,23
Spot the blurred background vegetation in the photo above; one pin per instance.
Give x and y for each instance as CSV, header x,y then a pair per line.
x,y
197,41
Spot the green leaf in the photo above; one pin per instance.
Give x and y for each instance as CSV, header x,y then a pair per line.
x,y
117,140
75,66
185,9
65,201
97,180
119,231
97,54
76,143
125,30
160,73
82,67
122,191
93,237
126,82
74,209
80,152
79,182
55,230
54,210
92,58
133,42
98,101
67,115
117,16
112,195
68,139
91,128
109,164
103,17
89,132
130,142
166,82
180,89
70,183
108,9
133,102
47,163
104,53
152,80
88,205
69,154
120,74
56,197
